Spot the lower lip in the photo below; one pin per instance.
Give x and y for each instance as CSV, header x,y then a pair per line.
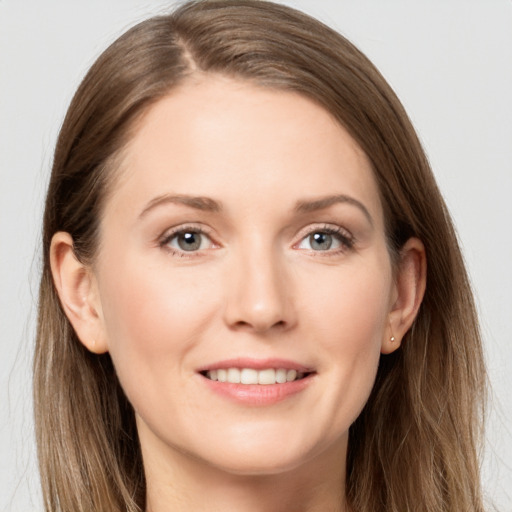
x,y
258,394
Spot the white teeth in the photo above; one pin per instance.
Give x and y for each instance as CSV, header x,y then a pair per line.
x,y
252,376
267,376
234,375
249,376
281,376
290,375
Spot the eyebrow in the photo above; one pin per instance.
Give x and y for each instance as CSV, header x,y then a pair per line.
x,y
208,204
205,204
327,201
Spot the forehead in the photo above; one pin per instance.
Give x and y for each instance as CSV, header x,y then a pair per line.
x,y
222,137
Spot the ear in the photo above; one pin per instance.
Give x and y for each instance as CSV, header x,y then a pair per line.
x,y
78,294
410,282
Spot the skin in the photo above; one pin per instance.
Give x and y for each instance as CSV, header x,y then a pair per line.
x,y
257,287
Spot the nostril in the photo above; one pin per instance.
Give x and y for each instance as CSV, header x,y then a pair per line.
x,y
260,326
258,308
242,323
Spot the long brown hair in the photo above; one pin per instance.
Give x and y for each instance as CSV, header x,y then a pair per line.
x,y
414,446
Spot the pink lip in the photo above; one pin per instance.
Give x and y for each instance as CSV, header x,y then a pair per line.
x,y
256,364
257,394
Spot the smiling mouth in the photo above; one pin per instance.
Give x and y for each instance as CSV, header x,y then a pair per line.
x,y
248,376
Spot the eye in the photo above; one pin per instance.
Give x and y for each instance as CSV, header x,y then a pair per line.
x,y
187,240
327,239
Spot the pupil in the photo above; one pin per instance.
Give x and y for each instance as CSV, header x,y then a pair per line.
x,y
321,241
189,241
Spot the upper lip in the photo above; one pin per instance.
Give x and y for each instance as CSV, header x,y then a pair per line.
x,y
256,364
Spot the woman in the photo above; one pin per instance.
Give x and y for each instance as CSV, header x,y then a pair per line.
x,y
235,311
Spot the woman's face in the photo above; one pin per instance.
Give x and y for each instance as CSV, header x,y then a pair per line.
x,y
244,239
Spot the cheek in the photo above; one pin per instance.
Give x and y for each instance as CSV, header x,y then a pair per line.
x,y
152,318
350,319
351,303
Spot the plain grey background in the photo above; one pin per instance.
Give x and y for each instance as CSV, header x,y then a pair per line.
x,y
450,61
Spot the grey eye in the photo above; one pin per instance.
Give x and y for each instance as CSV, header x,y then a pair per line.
x,y
320,241
323,240
189,241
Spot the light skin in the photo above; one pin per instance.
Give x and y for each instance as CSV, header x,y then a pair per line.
x,y
285,257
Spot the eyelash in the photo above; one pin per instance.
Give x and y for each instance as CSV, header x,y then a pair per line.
x,y
345,239
169,236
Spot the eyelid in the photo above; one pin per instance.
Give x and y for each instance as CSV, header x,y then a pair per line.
x,y
345,237
170,233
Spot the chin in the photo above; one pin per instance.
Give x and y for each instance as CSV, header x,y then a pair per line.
x,y
266,459
257,466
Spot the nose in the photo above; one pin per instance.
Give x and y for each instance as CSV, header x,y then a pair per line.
x,y
259,293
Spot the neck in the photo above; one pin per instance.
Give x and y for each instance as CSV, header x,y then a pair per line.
x,y
188,484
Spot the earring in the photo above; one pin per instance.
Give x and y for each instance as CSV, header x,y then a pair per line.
x,y
392,339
